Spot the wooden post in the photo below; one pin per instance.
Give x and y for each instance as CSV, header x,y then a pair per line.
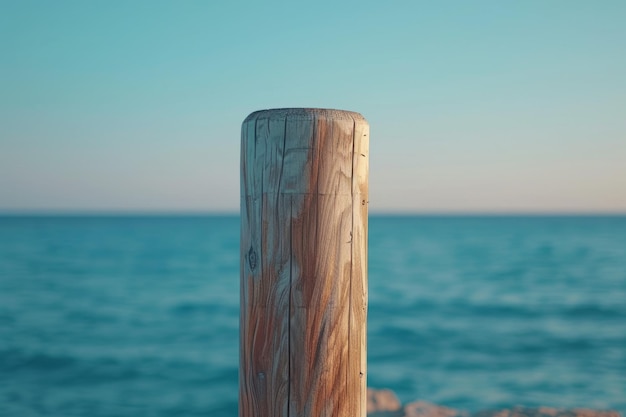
x,y
303,264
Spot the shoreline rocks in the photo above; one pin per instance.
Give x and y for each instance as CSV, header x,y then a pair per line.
x,y
385,403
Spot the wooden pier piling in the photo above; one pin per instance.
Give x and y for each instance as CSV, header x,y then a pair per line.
x,y
304,199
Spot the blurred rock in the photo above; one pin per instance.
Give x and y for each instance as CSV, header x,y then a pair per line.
x,y
384,403
426,409
546,412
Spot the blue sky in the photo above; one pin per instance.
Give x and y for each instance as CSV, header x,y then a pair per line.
x,y
483,106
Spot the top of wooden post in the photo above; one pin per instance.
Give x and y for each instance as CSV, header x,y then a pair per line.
x,y
306,114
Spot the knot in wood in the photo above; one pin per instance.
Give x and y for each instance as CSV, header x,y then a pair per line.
x,y
252,258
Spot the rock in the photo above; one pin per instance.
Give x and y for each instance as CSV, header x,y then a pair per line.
x,y
426,409
384,403
545,412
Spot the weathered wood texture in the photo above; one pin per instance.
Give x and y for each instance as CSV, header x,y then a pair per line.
x,y
304,198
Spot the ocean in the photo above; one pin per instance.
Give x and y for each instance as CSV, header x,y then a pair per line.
x,y
138,315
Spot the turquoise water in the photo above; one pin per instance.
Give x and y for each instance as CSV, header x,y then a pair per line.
x,y
127,316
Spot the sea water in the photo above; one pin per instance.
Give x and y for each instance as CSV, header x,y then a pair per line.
x,y
139,315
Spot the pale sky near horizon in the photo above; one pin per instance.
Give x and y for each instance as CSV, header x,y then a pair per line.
x,y
482,106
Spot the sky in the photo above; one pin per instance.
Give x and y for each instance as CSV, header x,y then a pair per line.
x,y
474,107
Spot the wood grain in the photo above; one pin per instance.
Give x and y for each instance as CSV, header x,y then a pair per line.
x,y
304,199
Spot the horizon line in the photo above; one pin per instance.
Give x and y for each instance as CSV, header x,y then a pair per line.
x,y
236,213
